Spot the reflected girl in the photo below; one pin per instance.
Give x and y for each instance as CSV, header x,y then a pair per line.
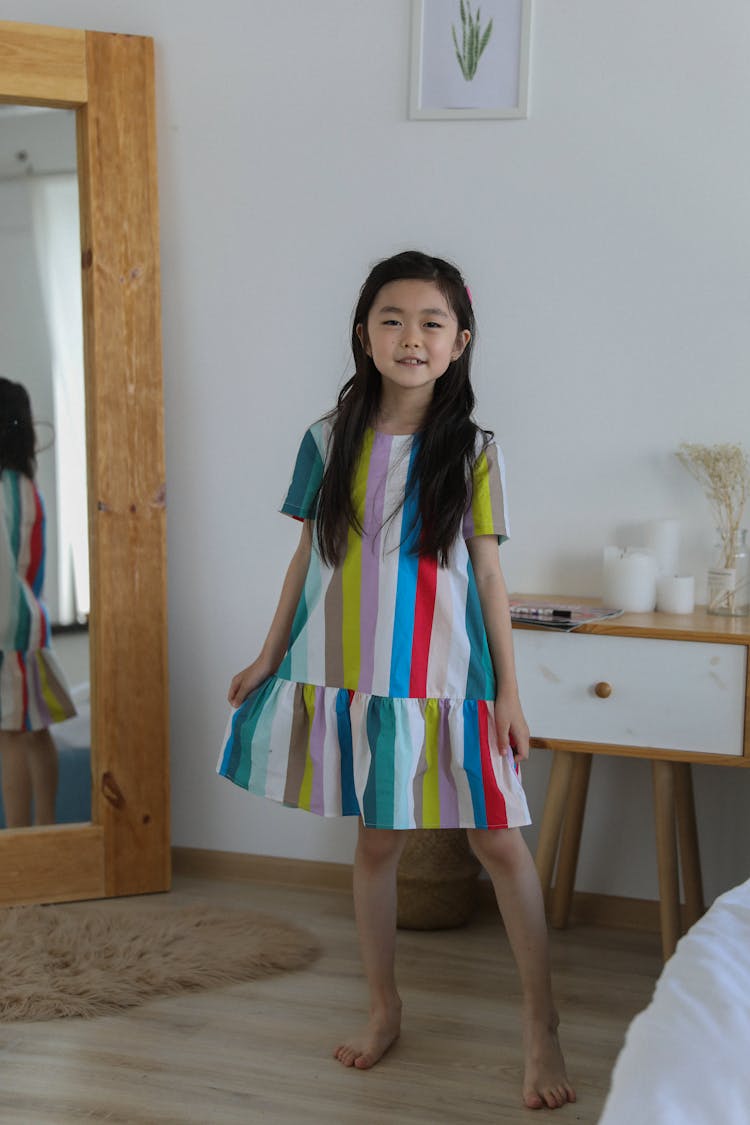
x,y
33,692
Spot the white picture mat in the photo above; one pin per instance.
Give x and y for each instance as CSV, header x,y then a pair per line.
x,y
499,87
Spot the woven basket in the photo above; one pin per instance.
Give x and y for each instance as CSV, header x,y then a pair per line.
x,y
437,880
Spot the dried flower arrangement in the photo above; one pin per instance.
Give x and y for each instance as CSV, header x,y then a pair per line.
x,y
724,472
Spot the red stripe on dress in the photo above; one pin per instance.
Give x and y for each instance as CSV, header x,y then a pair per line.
x,y
35,553
25,717
424,609
36,557
494,802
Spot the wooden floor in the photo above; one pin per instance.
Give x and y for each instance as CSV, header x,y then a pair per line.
x,y
261,1052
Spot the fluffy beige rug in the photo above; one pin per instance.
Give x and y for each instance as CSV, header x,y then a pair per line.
x,y
88,961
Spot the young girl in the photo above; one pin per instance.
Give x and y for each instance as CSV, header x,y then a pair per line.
x,y
33,692
386,686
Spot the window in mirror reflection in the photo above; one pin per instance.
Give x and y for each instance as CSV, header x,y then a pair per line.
x,y
41,347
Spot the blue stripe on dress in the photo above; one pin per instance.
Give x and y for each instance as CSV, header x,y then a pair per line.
x,y
406,588
473,761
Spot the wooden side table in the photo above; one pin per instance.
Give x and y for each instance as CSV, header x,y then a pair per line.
x,y
670,689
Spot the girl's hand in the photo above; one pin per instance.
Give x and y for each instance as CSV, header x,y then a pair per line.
x,y
512,728
246,681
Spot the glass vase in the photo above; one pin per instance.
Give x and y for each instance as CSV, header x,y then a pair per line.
x,y
729,577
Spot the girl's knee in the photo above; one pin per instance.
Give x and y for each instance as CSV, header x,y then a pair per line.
x,y
492,846
380,845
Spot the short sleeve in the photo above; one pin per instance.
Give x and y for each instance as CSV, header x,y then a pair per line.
x,y
301,498
487,514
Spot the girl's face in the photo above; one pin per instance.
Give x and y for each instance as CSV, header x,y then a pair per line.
x,y
412,334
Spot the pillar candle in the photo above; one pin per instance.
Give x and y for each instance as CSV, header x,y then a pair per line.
x,y
663,538
629,580
675,593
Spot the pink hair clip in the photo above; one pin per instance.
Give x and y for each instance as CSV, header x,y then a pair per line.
x,y
468,294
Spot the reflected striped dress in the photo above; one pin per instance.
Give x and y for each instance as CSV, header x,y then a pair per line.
x,y
33,691
383,704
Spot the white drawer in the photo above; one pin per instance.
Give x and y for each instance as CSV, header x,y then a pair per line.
x,y
670,695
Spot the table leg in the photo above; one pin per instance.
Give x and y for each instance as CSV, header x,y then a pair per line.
x,y
690,860
666,855
567,861
555,803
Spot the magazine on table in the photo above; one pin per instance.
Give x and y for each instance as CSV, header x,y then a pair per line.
x,y
557,615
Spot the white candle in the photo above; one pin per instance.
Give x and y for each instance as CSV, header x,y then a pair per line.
x,y
629,580
675,593
663,538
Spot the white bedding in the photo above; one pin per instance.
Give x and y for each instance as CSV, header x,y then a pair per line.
x,y
75,733
686,1058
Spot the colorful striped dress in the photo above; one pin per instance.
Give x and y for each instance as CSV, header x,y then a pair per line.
x,y
33,691
383,704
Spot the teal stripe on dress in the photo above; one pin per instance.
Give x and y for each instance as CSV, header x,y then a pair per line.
x,y
302,494
284,670
9,593
349,801
238,758
261,736
480,680
473,761
15,508
23,614
378,795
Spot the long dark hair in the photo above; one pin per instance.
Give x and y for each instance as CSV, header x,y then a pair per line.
x,y
17,437
446,452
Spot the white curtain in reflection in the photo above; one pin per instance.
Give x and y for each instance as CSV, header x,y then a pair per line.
x,y
58,244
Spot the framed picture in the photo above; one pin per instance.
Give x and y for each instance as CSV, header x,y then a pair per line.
x,y
470,58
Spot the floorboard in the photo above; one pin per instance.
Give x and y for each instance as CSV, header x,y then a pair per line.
x,y
261,1051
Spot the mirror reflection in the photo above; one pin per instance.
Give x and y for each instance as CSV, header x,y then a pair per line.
x,y
44,675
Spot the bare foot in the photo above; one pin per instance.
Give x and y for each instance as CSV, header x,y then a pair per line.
x,y
367,1048
545,1082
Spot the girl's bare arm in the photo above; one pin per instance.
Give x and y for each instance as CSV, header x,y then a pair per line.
x,y
277,641
493,598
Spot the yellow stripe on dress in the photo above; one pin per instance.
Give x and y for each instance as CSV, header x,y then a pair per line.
x,y
305,789
57,712
352,572
481,502
431,782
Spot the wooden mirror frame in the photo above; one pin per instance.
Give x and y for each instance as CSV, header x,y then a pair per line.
x,y
109,80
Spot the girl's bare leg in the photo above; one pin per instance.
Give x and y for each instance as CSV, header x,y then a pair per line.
x,y
507,860
375,866
42,754
29,760
16,780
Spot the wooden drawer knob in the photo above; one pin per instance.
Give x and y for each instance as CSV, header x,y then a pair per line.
x,y
603,690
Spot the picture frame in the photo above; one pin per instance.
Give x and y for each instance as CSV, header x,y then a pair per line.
x,y
469,59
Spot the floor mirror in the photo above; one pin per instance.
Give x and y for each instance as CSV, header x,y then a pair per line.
x,y
107,82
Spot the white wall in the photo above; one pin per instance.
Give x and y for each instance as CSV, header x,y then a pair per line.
x,y
607,243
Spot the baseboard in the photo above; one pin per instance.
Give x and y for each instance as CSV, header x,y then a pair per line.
x,y
587,909
207,864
